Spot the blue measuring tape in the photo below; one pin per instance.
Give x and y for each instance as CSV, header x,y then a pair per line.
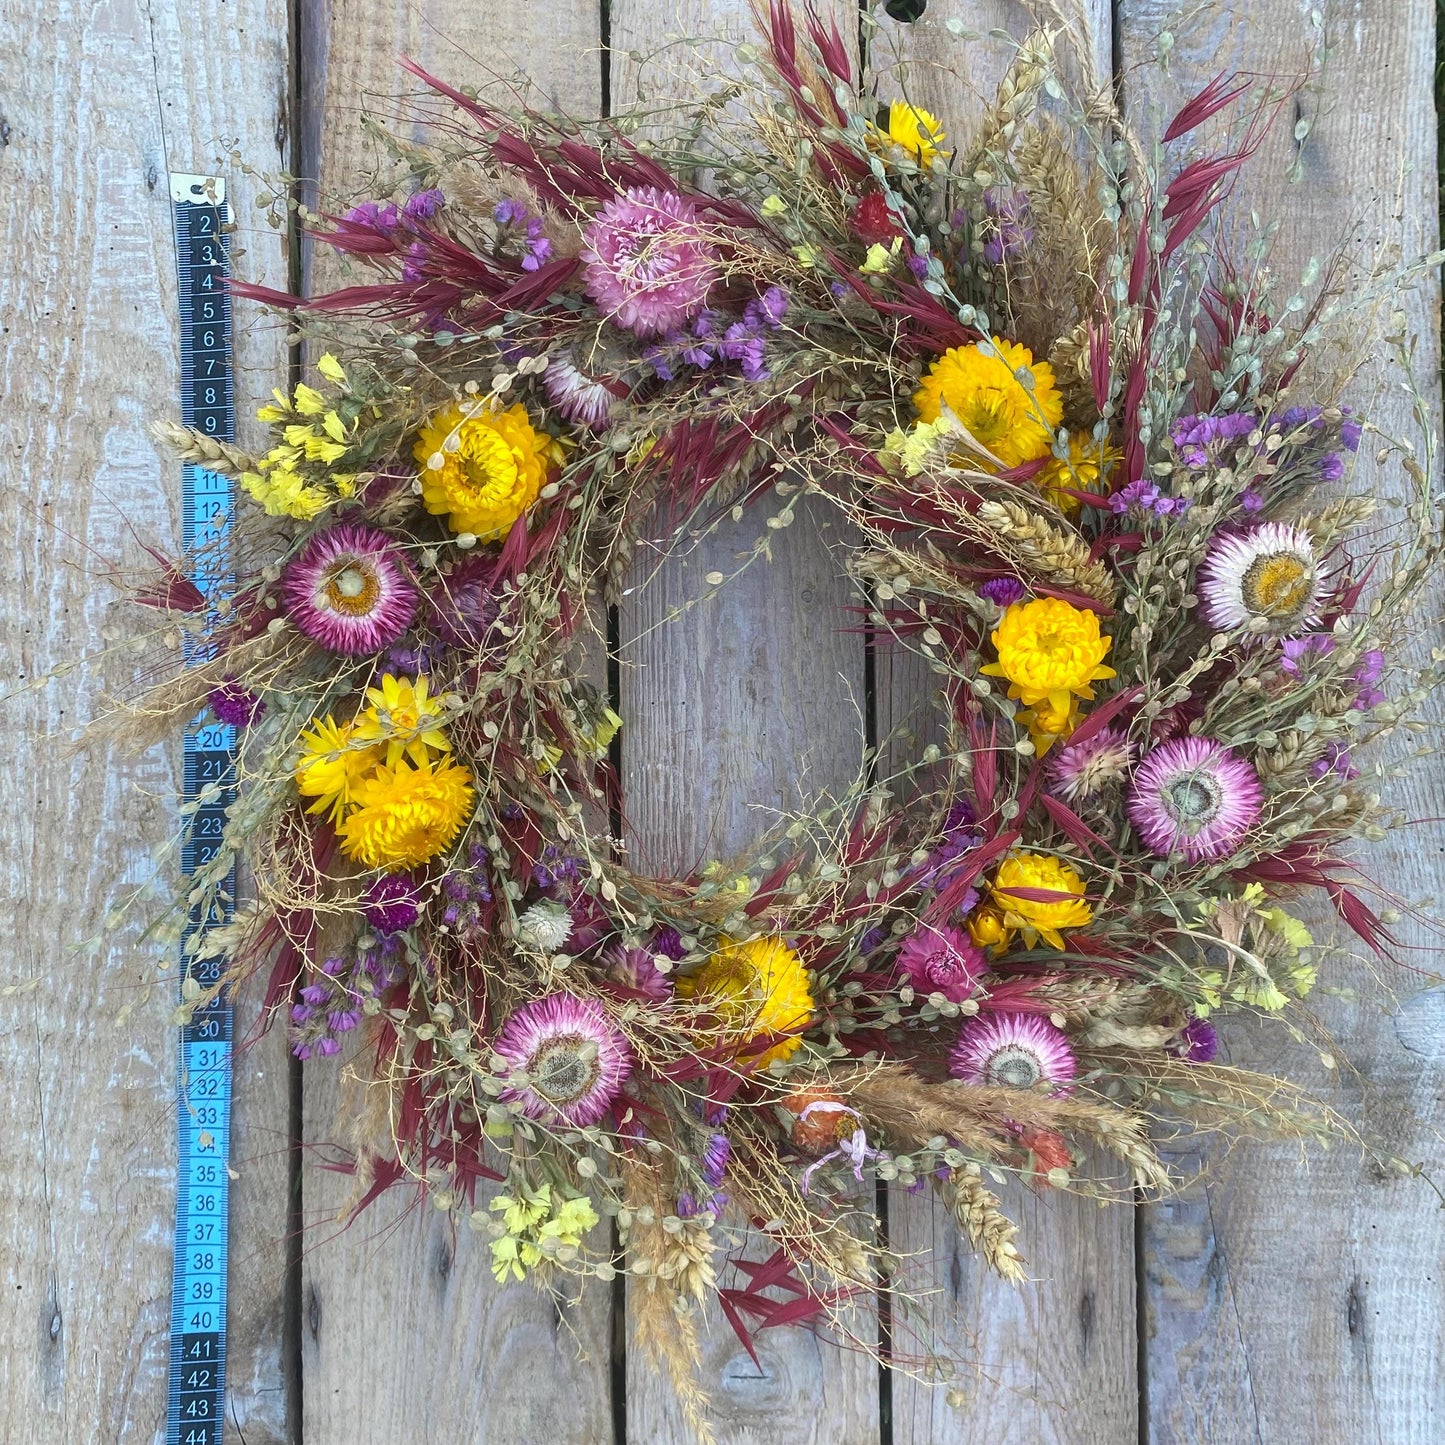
x,y
197,1387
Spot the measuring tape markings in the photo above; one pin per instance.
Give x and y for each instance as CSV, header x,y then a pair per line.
x,y
196,1389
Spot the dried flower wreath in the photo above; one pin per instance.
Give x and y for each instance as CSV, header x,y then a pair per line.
x,y
1092,463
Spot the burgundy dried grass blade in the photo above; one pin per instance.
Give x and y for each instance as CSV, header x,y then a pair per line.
x,y
1074,828
1209,101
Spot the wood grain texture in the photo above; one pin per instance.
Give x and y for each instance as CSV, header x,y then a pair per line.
x,y
1053,1360
96,103
746,703
404,1333
1297,1296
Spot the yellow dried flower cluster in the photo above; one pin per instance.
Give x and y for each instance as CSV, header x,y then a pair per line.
x,y
385,778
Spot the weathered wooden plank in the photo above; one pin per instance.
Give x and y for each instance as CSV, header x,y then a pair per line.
x,y
748,702
1290,1296
1054,1359
403,1328
98,103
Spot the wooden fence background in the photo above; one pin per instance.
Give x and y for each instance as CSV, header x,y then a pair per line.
x,y
1285,1299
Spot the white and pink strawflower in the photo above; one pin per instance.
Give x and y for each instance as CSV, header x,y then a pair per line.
x,y
1015,1051
1194,796
349,589
1265,578
941,960
581,397
648,261
575,1060
1077,771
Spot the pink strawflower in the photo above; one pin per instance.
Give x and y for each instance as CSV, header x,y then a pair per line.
x,y
462,604
1014,1050
941,960
634,969
1194,796
350,590
648,262
575,1060
1081,770
580,397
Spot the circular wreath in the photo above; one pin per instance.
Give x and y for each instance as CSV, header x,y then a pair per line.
x,y
1089,483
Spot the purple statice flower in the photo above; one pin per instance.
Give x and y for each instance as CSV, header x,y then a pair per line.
x,y
423,205
1297,416
1143,494
413,268
1192,434
688,1206
918,265
315,994
1295,649
1003,591
741,343
715,1155
1197,1042
301,1013
871,939
509,213
694,345
1336,760
391,903
766,312
1251,501
1007,228
668,942
343,1020
554,867
536,248
961,815
840,289
328,1045
1332,467
1370,670
374,214
649,261
1350,433
236,705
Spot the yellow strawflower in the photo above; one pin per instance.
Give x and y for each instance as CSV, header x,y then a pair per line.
x,y
332,766
481,468
1034,918
1050,651
1083,471
1012,422
986,927
403,716
1047,723
754,988
918,132
404,816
